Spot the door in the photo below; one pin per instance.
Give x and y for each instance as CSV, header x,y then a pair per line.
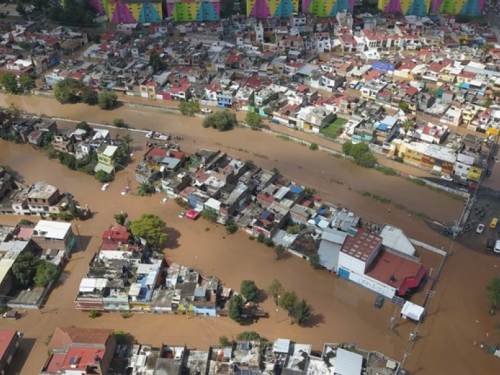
x,y
344,273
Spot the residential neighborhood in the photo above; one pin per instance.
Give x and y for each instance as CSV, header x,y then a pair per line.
x,y
252,187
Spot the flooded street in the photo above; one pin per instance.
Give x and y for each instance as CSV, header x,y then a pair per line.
x,y
343,311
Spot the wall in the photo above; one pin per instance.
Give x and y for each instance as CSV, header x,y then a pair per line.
x,y
372,284
351,264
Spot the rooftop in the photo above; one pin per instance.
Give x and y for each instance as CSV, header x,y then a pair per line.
x,y
361,243
42,190
6,337
52,229
394,270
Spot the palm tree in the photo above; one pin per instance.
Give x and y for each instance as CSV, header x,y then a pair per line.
x,y
146,188
407,125
128,140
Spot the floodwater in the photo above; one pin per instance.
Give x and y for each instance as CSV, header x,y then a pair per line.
x,y
343,311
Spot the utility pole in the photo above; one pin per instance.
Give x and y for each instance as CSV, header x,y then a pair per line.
x,y
393,318
405,355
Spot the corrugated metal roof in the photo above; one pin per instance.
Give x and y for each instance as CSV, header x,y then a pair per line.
x,y
348,363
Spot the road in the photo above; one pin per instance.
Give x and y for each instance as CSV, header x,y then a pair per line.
x,y
343,311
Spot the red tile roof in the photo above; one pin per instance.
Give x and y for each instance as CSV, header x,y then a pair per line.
x,y
69,335
86,356
411,91
362,244
406,274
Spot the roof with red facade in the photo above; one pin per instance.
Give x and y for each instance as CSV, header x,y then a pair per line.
x,y
396,271
117,233
70,335
6,337
361,243
25,233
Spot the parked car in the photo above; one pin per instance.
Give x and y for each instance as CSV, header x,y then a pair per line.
x,y
446,177
125,190
68,195
105,187
206,110
164,200
480,228
182,214
490,244
379,301
497,247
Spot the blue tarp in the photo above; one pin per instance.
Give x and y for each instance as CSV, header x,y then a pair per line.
x,y
296,189
110,85
464,85
383,127
264,215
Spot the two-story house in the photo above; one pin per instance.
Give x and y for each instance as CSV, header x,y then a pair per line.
x,y
105,158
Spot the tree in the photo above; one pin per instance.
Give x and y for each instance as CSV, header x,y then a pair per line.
x,y
27,222
156,62
210,215
249,290
261,238
96,38
189,108
254,120
68,91
84,126
24,269
89,96
26,83
73,210
221,121
493,289
274,290
407,125
120,218
487,47
236,305
9,82
146,188
288,301
230,226
224,341
93,314
279,251
151,228
358,149
119,123
367,160
46,272
103,176
107,100
405,107
496,93
128,140
21,10
302,312
346,147
314,261
64,216
248,336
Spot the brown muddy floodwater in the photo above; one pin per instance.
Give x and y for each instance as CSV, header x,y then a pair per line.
x,y
343,311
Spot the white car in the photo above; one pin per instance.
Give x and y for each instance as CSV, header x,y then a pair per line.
x,y
497,247
125,190
164,200
206,110
480,228
105,187
446,177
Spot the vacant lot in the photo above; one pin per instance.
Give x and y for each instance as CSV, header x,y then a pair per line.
x,y
332,131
